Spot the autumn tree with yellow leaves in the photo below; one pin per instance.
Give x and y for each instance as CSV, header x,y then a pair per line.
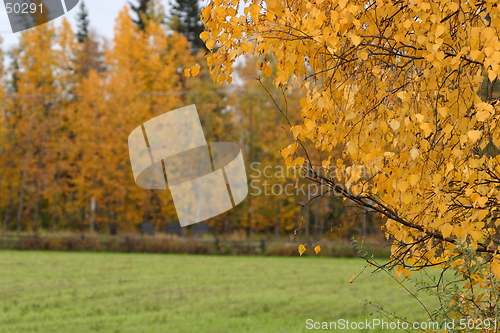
x,y
67,113
392,106
35,125
140,82
65,122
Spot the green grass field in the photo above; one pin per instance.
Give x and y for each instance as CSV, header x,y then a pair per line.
x,y
108,292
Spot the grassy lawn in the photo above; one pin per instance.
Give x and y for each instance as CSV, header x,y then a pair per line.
x,y
108,292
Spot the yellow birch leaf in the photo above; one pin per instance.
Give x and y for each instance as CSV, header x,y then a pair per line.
x,y
356,40
247,47
414,153
195,70
474,135
350,115
401,270
495,267
480,202
204,35
446,230
492,75
443,111
482,115
302,249
309,124
300,161
357,189
475,54
210,43
363,55
488,33
427,128
449,167
286,152
403,186
268,71
187,72
395,124
448,128
254,12
419,117
317,249
402,95
440,29
296,131
413,179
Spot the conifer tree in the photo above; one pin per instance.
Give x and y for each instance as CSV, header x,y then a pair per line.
x,y
141,11
185,19
89,54
82,23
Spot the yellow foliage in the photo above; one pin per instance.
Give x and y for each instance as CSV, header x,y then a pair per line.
x,y
402,100
195,70
301,249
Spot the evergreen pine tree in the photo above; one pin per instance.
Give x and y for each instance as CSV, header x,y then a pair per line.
x,y
82,23
1,57
141,11
185,19
14,70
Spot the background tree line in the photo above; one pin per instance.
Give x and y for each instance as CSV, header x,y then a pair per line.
x,y
69,102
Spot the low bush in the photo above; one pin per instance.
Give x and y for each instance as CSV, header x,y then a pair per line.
x,y
183,246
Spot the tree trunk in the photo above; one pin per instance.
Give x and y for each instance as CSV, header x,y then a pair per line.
x,y
306,222
93,206
324,208
24,175
8,213
277,223
316,218
36,208
364,223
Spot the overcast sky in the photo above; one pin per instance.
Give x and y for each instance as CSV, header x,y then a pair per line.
x,y
102,15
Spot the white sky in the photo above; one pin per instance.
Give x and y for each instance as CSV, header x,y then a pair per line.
x,y
102,15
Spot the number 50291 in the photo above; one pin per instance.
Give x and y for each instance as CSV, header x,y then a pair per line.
x,y
26,14
23,8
